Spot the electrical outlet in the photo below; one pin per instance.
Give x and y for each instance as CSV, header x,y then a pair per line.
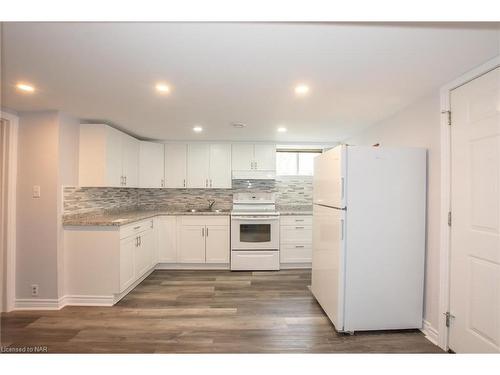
x,y
34,290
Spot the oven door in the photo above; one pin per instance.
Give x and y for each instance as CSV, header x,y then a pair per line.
x,y
255,232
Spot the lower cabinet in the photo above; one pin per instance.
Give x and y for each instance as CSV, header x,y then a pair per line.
x,y
143,253
127,269
203,239
296,240
166,227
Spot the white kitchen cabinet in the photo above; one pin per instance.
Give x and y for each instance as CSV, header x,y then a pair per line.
x,y
151,165
220,166
107,157
166,227
242,156
198,169
296,240
130,161
217,244
100,156
192,244
142,255
204,239
175,165
127,272
253,161
265,157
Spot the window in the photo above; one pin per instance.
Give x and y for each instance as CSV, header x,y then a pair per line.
x,y
295,162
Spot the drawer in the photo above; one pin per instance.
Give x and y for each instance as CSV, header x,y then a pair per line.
x,y
296,253
255,260
204,220
296,220
296,233
135,228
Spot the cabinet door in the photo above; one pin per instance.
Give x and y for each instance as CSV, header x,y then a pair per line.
x,y
192,244
127,272
198,165
114,162
151,165
242,156
220,166
167,239
130,160
148,243
142,259
265,157
217,244
175,165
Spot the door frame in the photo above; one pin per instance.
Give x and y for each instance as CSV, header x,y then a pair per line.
x,y
445,229
11,153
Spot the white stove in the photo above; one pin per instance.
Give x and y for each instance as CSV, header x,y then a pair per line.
x,y
254,232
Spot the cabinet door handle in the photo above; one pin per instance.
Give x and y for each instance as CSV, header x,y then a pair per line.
x,y
125,180
136,241
140,241
206,231
206,182
203,232
137,227
184,182
342,229
299,246
210,182
255,165
162,183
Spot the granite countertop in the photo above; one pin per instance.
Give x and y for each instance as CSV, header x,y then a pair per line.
x,y
295,210
118,218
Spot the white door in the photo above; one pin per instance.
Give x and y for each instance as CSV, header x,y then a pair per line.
x,y
220,166
127,252
142,257
148,243
167,239
198,165
114,169
217,243
192,244
151,165
327,283
265,157
475,206
130,160
328,179
175,165
242,156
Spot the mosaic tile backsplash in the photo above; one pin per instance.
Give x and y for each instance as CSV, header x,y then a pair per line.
x,y
293,190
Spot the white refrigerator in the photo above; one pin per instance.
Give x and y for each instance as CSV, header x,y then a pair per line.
x,y
369,236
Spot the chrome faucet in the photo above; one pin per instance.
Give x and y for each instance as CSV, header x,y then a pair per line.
x,y
211,203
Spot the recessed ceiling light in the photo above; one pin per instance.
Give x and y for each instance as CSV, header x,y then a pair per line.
x,y
301,89
25,87
197,129
282,129
163,88
238,125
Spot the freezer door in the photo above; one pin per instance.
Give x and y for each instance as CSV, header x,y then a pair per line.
x,y
328,179
328,262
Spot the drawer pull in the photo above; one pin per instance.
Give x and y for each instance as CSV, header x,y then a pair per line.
x,y
299,227
137,227
299,246
297,220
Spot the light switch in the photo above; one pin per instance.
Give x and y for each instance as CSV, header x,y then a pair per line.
x,y
36,191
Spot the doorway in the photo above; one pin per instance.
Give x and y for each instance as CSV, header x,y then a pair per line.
x,y
474,323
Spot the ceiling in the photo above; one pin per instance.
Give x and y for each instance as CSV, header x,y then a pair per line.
x,y
221,73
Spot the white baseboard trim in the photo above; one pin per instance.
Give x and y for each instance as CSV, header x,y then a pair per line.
x,y
37,304
430,332
295,266
192,266
79,300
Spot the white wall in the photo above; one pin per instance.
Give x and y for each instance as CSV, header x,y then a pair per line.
x,y
418,125
47,156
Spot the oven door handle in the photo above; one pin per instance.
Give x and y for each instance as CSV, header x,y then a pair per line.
x,y
244,218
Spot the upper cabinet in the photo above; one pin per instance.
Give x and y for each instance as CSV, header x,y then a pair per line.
x,y
107,157
209,166
151,165
253,161
175,165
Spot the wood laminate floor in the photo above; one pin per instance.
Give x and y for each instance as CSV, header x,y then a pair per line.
x,y
204,312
